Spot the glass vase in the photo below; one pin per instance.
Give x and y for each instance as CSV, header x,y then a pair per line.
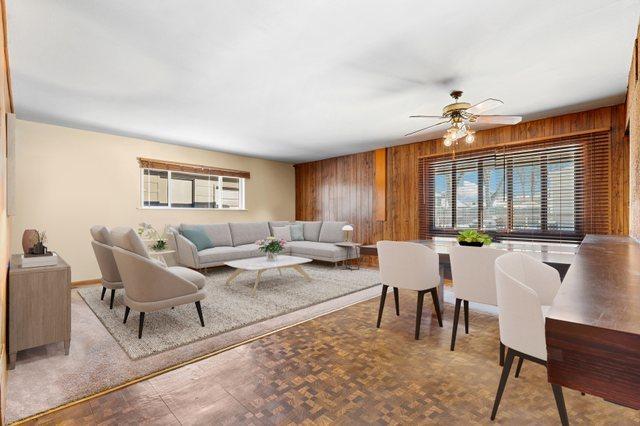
x,y
271,256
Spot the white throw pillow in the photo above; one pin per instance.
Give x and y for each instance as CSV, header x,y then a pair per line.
x,y
282,233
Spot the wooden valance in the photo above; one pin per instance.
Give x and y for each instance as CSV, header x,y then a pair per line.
x,y
190,168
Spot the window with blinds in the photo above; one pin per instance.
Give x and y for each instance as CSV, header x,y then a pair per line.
x,y
555,190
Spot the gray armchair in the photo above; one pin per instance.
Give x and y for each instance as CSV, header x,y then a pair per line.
x,y
102,247
148,284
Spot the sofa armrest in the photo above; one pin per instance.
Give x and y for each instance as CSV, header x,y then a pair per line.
x,y
187,252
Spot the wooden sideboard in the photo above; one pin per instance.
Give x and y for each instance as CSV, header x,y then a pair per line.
x,y
39,307
593,327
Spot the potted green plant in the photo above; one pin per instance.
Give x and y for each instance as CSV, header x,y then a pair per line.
x,y
474,238
272,246
148,232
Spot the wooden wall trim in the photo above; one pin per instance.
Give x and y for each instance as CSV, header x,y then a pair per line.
x,y
5,47
523,142
190,168
380,176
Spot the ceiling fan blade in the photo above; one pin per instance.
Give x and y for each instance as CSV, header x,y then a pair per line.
x,y
484,106
425,128
427,116
498,119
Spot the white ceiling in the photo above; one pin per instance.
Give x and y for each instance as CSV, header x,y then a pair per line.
x,y
299,80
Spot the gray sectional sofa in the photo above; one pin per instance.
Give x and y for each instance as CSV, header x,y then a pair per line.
x,y
234,241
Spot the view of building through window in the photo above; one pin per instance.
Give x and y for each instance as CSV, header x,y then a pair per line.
x,y
162,188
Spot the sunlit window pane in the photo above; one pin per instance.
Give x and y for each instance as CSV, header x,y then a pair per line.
x,y
155,191
467,199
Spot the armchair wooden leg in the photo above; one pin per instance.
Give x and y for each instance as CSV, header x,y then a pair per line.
x,y
436,305
419,312
104,290
396,296
502,350
519,367
503,381
383,296
141,325
126,314
199,308
562,409
113,295
466,317
456,317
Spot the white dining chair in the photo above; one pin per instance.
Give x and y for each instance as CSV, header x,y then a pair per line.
x,y
525,288
409,266
473,273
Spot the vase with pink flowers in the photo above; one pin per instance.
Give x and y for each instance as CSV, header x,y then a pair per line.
x,y
271,246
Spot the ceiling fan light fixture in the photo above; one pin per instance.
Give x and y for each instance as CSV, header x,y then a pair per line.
x,y
471,137
447,142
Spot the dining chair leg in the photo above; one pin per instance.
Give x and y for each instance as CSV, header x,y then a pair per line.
x,y
383,296
436,305
419,312
104,290
466,317
503,381
141,325
501,354
456,316
113,295
126,314
199,308
562,409
396,296
519,367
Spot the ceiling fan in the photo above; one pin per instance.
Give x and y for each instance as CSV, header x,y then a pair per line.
x,y
460,116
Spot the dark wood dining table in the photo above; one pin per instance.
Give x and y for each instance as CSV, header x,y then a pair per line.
x,y
593,327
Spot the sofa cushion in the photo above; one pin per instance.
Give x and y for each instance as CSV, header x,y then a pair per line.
x,y
282,233
220,255
250,250
311,230
278,224
127,239
198,237
314,249
331,232
101,234
248,232
297,232
218,233
194,277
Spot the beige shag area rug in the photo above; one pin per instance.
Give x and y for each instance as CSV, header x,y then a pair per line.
x,y
226,307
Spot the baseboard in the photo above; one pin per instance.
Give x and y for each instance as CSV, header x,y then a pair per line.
x,y
84,283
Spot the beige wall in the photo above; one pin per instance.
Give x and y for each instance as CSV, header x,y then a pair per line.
x,y
68,180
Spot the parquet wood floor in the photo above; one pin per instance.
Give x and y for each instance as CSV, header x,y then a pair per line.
x,y
341,369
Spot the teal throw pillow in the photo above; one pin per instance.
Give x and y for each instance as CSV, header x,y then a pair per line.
x,y
296,232
198,237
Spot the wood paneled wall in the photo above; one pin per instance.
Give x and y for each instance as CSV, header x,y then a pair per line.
x,y
5,108
342,188
633,126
